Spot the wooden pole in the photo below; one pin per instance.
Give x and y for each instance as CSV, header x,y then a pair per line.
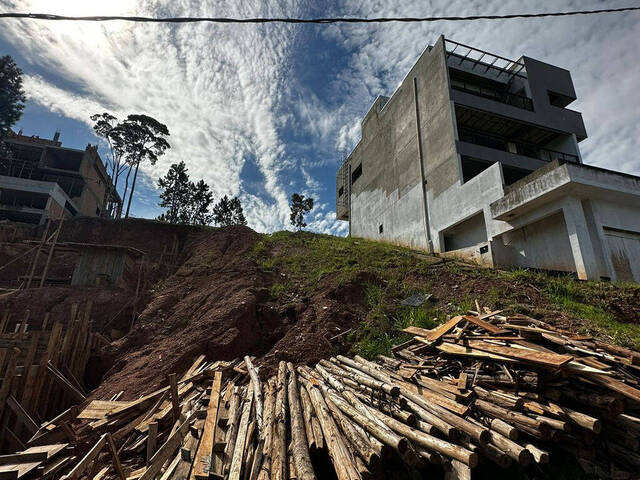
x,y
32,269
51,250
299,451
175,401
279,446
341,458
152,438
238,451
257,392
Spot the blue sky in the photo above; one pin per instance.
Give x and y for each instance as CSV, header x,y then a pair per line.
x,y
262,111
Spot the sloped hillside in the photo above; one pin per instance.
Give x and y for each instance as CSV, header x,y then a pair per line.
x,y
297,297
301,297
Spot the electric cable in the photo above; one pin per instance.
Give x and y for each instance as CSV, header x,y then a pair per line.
x,y
259,20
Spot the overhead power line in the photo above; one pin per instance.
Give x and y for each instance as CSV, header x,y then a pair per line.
x,y
46,16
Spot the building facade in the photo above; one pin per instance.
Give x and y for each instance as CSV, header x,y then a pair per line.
x,y
41,179
476,156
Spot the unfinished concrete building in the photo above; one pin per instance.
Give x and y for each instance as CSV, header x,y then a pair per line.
x,y
477,156
41,179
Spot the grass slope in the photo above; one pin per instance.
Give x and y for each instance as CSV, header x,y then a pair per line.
x,y
305,261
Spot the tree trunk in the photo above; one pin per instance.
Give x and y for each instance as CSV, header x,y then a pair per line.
x,y
133,187
124,193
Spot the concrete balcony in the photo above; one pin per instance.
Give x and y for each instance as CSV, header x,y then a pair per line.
x,y
560,119
558,179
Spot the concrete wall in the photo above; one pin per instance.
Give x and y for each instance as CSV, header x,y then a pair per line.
x,y
545,78
466,234
91,201
617,237
56,201
390,192
462,201
541,244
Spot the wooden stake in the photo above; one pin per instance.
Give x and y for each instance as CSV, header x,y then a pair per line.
x,y
152,438
299,450
203,459
238,450
175,401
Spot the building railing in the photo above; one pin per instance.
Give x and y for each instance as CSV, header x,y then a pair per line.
x,y
508,98
485,61
522,148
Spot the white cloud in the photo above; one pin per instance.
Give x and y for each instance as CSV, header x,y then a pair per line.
x,y
218,89
599,50
226,92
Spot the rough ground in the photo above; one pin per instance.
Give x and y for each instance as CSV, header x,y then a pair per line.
x,y
290,296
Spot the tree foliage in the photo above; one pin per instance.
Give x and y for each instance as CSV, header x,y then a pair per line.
x,y
144,142
186,202
107,126
12,95
174,195
300,206
137,139
201,200
228,211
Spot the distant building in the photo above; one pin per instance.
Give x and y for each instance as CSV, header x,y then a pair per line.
x,y
476,156
40,179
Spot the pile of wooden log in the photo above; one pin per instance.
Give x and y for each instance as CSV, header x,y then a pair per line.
x,y
481,390
42,364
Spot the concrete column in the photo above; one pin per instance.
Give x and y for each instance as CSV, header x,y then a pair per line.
x,y
579,239
574,141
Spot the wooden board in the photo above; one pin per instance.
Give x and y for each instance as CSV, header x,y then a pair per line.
x,y
49,450
528,356
167,449
485,325
617,386
17,470
455,349
99,409
203,462
436,333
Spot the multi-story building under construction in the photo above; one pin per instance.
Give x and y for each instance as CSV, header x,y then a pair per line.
x,y
41,179
477,156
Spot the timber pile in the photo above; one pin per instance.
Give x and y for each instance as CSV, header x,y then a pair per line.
x,y
482,389
42,364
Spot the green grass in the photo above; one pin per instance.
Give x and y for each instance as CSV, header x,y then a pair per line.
x,y
302,261
306,258
588,301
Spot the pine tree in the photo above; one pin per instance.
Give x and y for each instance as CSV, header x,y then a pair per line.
x,y
300,206
201,199
12,96
175,194
228,212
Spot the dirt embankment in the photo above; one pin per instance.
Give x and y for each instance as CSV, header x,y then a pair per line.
x,y
218,304
211,298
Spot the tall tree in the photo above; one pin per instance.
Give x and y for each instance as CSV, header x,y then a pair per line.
x,y
175,192
12,96
201,199
300,206
107,126
228,212
144,142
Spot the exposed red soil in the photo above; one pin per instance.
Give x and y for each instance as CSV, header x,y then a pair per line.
x,y
216,302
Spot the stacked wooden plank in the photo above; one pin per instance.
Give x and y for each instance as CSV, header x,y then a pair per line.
x,y
480,391
41,371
